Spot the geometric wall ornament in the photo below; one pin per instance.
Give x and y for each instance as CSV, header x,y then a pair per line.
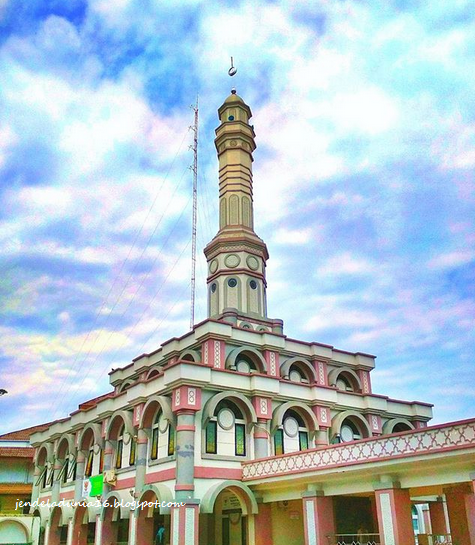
x,y
186,397
252,263
232,260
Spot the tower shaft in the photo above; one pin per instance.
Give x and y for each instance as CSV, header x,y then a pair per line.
x,y
236,256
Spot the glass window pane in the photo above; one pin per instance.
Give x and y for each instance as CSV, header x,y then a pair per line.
x,y
240,436
211,443
171,441
133,446
65,470
303,440
118,458
90,460
279,442
154,450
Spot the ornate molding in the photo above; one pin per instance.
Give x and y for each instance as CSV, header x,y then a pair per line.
x,y
447,437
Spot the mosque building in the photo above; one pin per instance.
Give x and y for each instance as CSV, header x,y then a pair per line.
x,y
235,434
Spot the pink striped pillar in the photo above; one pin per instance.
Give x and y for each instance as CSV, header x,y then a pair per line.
x,y
394,515
185,524
461,508
318,518
263,525
437,517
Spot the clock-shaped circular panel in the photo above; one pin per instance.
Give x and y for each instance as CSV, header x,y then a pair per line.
x,y
243,367
252,263
162,424
295,376
291,426
213,266
226,419
232,260
346,434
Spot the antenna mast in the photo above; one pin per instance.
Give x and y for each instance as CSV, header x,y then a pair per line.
x,y
194,168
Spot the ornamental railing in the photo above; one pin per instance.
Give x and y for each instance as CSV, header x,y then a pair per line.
x,y
445,437
353,539
434,539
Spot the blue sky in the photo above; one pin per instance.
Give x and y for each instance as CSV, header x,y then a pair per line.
x,y
365,120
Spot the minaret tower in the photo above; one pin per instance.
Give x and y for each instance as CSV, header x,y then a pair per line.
x,y
237,256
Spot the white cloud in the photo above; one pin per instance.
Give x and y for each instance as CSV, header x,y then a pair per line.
x,y
295,237
346,264
450,260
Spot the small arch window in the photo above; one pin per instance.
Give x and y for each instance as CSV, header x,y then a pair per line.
x,y
350,431
401,426
119,449
226,431
63,472
89,462
49,480
244,364
213,287
163,438
295,375
344,384
292,436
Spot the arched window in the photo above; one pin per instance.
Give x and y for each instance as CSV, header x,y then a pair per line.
x,y
350,431
132,451
226,431
292,436
402,426
153,373
344,384
415,519
163,438
89,461
120,448
67,462
49,481
244,364
297,374
125,386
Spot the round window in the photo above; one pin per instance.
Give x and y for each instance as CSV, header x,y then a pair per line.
x,y
243,367
291,426
226,419
231,118
213,287
232,282
253,284
295,376
162,424
346,434
349,431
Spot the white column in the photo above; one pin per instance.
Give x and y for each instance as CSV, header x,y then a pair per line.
x,y
133,527
98,536
69,539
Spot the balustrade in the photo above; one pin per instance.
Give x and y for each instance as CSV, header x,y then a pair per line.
x,y
434,539
353,539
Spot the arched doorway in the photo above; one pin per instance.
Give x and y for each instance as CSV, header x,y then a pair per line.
x,y
12,531
58,532
115,529
150,519
41,536
230,519
84,531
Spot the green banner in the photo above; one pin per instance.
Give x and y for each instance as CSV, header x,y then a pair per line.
x,y
97,483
